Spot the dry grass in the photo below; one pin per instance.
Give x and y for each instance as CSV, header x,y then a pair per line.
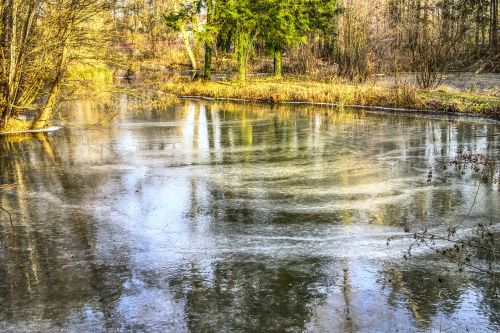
x,y
17,125
296,90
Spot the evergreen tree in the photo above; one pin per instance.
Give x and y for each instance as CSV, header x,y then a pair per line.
x,y
283,26
286,23
241,19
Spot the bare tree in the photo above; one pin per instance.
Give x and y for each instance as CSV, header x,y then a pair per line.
x,y
37,39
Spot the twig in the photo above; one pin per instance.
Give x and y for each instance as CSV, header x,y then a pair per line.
x,y
7,186
461,262
8,214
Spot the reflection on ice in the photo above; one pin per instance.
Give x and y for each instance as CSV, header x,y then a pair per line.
x,y
226,217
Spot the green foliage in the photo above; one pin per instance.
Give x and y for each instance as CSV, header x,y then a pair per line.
x,y
285,23
320,14
277,24
183,15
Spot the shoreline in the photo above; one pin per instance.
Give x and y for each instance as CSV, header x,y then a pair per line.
x,y
382,109
42,130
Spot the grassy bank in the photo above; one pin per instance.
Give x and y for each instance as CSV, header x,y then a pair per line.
x,y
295,90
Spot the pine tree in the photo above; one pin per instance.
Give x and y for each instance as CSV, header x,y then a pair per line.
x,y
240,18
286,23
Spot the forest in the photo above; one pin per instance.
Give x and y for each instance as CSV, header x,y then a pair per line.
x,y
48,47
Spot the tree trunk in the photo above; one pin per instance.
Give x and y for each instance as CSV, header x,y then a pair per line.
x,y
277,62
207,71
241,65
187,45
48,109
494,25
10,61
241,57
16,30
185,38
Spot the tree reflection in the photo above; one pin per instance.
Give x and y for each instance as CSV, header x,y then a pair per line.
x,y
227,217
49,263
255,294
424,292
436,298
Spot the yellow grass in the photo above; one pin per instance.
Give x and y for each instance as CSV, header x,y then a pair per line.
x,y
296,90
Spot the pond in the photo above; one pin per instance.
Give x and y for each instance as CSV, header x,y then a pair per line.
x,y
222,217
